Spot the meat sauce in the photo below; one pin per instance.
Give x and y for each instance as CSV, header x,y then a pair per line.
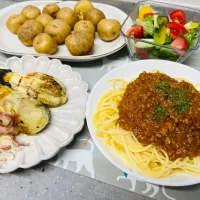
x,y
162,111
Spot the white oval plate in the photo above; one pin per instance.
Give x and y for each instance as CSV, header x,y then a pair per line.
x,y
128,72
66,120
10,44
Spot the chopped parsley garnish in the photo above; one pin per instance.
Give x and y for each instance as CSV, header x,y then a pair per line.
x,y
182,106
177,96
163,85
159,112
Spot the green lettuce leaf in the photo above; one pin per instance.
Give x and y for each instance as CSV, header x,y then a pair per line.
x,y
147,25
190,37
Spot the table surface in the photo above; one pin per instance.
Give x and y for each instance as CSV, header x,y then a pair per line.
x,y
45,182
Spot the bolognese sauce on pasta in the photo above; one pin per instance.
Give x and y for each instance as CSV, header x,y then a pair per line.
x,y
153,122
162,111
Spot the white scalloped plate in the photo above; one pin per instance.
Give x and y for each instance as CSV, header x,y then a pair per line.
x,y
66,120
10,44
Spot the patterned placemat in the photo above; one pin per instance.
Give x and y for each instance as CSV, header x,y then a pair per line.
x,y
83,157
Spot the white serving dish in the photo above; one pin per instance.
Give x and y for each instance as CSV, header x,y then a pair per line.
x,y
66,120
10,44
128,72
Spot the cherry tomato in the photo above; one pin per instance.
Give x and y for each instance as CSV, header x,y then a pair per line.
x,y
180,43
178,16
177,26
174,33
142,53
148,14
136,31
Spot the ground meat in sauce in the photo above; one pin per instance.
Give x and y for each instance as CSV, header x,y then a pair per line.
x,y
162,111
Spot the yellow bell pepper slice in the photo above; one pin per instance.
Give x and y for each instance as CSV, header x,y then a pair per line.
x,y
144,10
191,25
163,34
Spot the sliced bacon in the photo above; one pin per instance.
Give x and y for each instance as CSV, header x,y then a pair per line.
x,y
5,148
6,130
6,123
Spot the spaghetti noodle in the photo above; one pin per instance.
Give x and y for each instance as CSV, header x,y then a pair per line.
x,y
148,160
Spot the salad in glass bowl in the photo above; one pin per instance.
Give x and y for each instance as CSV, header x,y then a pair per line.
x,y
162,31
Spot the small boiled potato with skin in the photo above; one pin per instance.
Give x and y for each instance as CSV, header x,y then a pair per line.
x,y
108,29
94,15
68,15
44,19
58,29
86,26
51,9
28,31
80,43
14,22
81,7
31,12
45,44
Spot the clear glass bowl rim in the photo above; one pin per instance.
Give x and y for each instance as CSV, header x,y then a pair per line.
x,y
156,44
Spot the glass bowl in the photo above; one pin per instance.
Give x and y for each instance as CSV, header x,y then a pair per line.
x,y
152,50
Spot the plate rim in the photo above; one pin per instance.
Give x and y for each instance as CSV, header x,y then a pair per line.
x,y
73,133
66,58
61,57
104,152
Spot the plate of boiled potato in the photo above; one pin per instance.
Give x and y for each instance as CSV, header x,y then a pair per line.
x,y
67,30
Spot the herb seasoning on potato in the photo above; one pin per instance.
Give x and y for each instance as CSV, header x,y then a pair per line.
x,y
80,43
28,31
58,29
86,26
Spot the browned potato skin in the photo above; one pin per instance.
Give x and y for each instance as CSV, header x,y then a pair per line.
x,y
28,31
108,29
86,26
58,29
80,43
44,19
30,12
14,22
94,15
45,44
68,15
81,7
51,9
